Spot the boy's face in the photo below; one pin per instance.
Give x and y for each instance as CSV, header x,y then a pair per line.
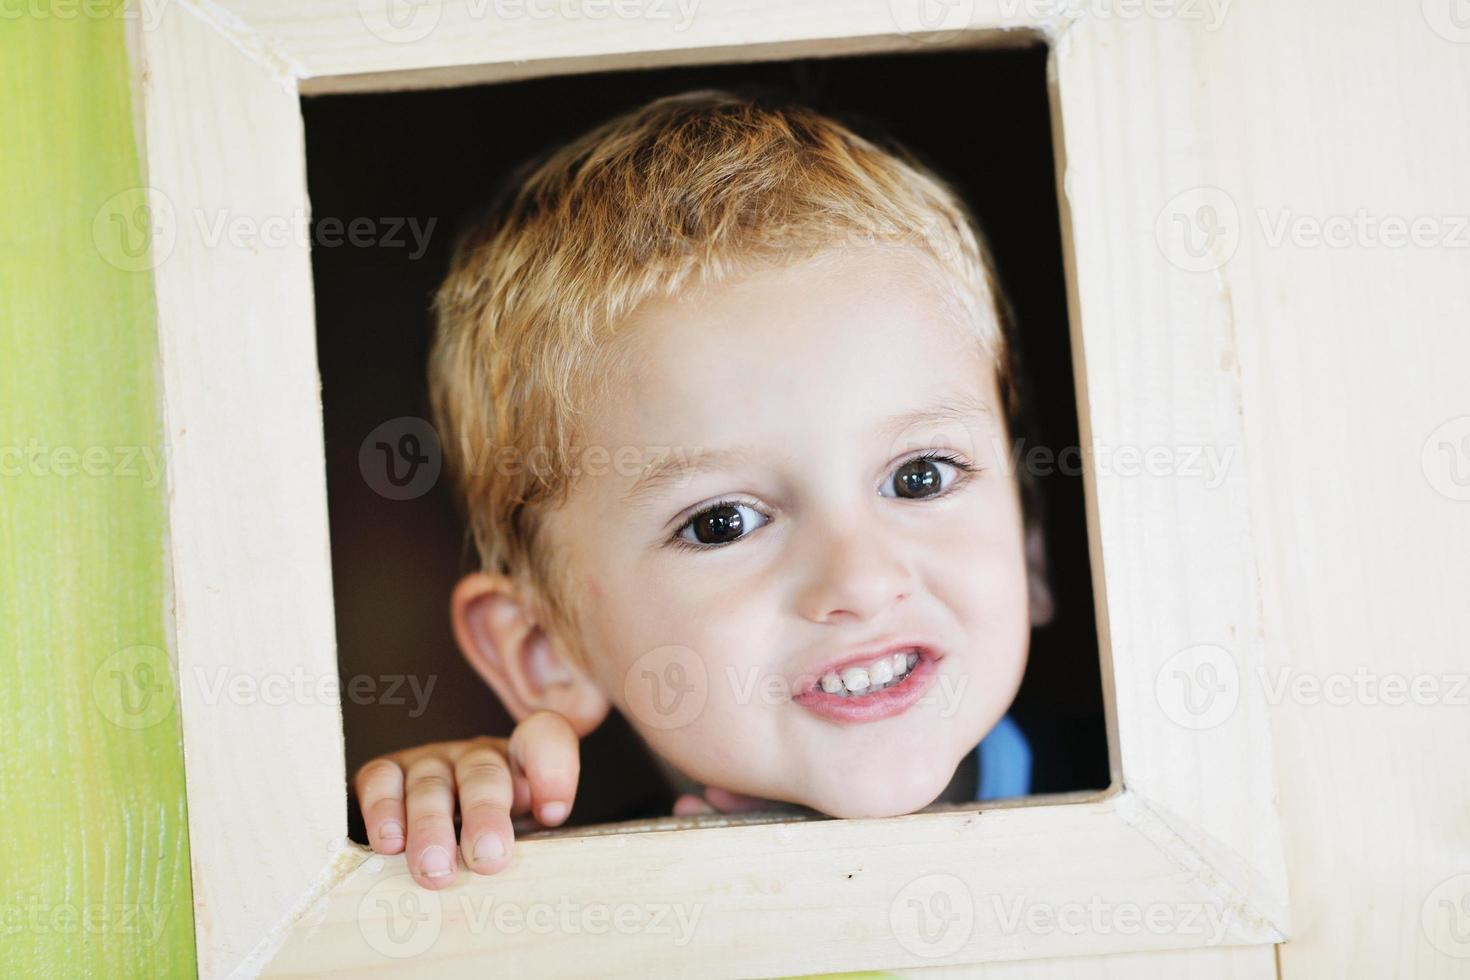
x,y
832,547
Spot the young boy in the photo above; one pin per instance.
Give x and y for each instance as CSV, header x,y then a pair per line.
x,y
727,391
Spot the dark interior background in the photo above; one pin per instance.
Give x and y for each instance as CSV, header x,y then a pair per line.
x,y
980,118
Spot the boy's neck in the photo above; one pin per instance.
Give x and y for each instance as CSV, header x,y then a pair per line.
x,y
965,782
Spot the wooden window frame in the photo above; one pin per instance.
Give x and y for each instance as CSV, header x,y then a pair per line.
x,y
1190,820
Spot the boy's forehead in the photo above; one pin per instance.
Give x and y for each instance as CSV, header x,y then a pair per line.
x,y
842,345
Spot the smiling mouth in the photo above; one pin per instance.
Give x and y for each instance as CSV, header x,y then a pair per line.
x,y
867,680
868,691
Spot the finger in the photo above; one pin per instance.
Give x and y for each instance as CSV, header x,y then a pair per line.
x,y
429,791
690,805
522,801
545,747
521,804
379,786
728,802
485,797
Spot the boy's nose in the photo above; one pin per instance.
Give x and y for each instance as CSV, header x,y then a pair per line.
x,y
855,573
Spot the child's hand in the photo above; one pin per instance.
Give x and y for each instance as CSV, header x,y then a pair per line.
x,y
492,779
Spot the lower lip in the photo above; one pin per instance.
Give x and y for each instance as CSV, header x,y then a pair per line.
x,y
871,707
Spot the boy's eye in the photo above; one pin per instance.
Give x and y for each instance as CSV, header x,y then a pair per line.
x,y
721,524
730,520
923,476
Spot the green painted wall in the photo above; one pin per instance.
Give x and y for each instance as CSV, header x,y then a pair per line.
x,y
94,858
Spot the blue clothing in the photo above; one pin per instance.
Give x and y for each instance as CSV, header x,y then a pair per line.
x,y
1004,758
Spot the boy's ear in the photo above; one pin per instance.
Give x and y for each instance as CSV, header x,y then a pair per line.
x,y
525,665
1038,585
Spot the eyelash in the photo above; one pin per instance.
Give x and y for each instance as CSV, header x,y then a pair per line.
x,y
966,470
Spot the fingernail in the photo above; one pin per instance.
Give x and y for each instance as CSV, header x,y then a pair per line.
x,y
390,830
552,812
435,862
489,848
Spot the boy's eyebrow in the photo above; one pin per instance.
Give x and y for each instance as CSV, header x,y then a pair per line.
x,y
680,465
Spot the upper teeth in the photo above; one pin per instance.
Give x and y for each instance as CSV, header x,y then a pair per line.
x,y
881,673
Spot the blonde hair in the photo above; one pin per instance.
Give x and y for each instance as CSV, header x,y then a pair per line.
x,y
686,190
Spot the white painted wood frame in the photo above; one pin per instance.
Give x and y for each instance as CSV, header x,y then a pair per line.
x,y
1182,854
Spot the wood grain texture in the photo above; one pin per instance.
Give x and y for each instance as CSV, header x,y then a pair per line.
x,y
960,887
1233,963
247,488
1355,352
95,876
373,45
1195,830
1326,377
1174,545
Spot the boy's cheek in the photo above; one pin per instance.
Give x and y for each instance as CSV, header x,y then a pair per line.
x,y
681,693
703,751
981,582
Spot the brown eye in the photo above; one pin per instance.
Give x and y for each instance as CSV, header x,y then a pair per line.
x,y
721,524
924,477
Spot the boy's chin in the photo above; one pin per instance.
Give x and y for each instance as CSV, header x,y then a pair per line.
x,y
870,796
